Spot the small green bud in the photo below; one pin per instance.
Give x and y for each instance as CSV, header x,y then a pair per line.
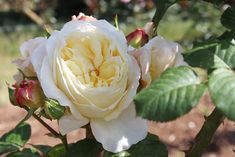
x,y
53,109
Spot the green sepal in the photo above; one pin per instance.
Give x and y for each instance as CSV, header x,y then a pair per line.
x,y
52,109
11,96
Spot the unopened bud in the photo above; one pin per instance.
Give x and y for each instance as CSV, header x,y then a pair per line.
x,y
28,93
53,109
137,38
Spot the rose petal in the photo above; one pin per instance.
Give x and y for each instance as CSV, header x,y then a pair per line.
x,y
119,134
27,47
68,123
49,87
37,57
133,83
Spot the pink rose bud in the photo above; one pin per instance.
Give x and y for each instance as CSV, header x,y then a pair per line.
x,y
83,17
137,38
29,93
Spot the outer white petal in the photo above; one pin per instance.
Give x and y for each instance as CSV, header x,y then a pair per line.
x,y
68,123
27,47
116,34
119,134
179,59
51,91
101,26
37,57
145,61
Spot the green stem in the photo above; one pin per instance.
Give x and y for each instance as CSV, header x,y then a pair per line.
x,y
203,138
55,133
89,132
161,8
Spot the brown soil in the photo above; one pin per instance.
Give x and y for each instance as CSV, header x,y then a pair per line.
x,y
178,135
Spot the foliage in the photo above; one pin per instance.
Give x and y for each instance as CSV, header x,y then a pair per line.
x,y
175,93
15,139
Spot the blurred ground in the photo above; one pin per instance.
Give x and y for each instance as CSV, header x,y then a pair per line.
x,y
177,135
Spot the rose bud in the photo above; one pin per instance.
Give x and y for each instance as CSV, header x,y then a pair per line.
x,y
83,17
137,38
53,110
28,93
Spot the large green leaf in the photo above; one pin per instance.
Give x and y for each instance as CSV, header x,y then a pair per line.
x,y
6,147
202,56
24,153
56,151
44,149
228,18
149,147
18,136
226,52
215,54
171,96
15,139
84,148
222,91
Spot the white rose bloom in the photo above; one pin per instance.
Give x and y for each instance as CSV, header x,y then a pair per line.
x,y
24,63
86,67
156,56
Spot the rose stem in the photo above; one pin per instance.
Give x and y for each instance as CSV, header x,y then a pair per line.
x,y
203,138
89,134
55,133
159,13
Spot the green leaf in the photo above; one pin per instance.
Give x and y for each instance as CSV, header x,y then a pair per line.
x,y
228,18
202,56
43,148
6,147
226,52
227,35
24,153
151,146
222,91
56,151
215,54
84,148
18,136
174,94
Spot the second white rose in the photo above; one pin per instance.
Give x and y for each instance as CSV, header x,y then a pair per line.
x,y
156,56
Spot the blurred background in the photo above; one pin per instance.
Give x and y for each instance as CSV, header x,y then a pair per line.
x,y
21,20
185,22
